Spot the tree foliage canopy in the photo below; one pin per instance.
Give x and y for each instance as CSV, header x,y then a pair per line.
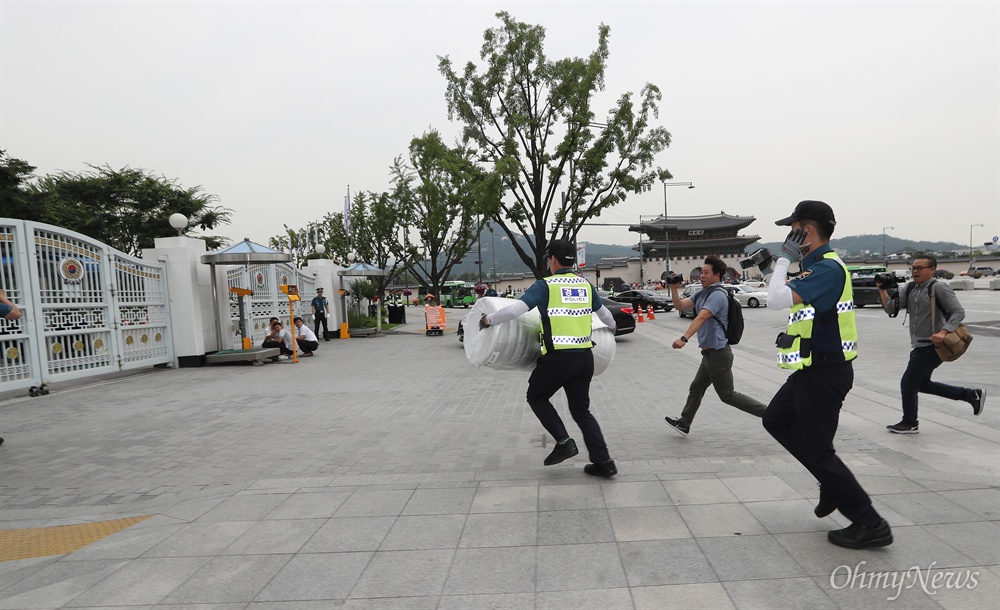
x,y
126,209
442,193
532,121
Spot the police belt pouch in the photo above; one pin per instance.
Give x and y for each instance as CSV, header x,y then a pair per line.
x,y
955,342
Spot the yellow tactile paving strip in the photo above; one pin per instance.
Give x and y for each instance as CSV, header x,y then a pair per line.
x,y
58,540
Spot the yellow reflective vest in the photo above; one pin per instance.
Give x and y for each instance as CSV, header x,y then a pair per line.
x,y
566,322
822,336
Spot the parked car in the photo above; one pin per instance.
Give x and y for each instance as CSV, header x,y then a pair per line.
x,y
750,296
689,291
624,315
980,271
645,298
865,291
943,274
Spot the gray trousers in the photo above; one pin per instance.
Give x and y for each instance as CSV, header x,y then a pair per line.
x,y
716,369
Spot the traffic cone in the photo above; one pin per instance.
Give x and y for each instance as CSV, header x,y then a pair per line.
x,y
651,315
638,308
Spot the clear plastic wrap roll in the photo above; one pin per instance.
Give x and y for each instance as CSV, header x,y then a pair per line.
x,y
514,345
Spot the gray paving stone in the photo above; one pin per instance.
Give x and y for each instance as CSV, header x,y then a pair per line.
x,y
568,567
228,579
665,562
141,581
200,539
749,558
985,503
785,516
915,546
591,599
349,534
317,505
980,541
928,507
760,489
404,573
55,585
275,537
778,593
492,570
392,603
647,523
360,450
250,507
500,529
720,520
700,596
374,503
574,527
505,499
498,601
819,558
630,494
315,576
126,544
699,491
441,501
424,532
569,497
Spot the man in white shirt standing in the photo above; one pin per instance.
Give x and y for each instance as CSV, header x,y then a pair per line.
x,y
305,337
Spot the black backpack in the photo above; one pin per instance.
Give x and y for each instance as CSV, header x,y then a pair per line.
x,y
734,332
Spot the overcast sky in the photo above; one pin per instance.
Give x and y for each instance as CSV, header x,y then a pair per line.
x,y
889,112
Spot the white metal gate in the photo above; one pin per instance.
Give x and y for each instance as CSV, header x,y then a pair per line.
x,y
267,300
87,308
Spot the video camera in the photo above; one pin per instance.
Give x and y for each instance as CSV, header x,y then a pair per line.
x,y
756,258
887,281
675,278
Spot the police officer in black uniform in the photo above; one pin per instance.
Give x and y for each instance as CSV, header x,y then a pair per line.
x,y
565,302
819,346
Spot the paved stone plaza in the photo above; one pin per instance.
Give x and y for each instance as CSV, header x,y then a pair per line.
x,y
390,473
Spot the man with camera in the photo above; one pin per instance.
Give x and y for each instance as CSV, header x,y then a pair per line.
x,y
819,347
710,323
927,330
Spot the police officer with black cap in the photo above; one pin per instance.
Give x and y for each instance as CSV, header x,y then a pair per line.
x,y
819,347
565,301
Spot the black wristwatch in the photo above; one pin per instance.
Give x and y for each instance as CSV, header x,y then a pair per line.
x,y
684,339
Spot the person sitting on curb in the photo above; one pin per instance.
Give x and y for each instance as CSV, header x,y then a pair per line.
x,y
305,337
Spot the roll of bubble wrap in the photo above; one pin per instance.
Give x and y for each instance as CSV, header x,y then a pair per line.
x,y
514,345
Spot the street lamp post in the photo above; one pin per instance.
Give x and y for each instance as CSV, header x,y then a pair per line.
x,y
666,226
885,255
971,260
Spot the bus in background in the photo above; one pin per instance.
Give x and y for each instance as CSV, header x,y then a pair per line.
x,y
457,293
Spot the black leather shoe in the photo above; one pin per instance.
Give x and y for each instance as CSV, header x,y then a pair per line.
x,y
606,470
562,452
857,536
825,506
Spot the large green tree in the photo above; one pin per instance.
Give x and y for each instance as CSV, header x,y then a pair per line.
x,y
126,208
440,195
16,199
532,121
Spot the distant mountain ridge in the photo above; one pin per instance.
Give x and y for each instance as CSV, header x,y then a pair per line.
x,y
507,260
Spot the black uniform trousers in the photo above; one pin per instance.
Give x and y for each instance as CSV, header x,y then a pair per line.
x,y
571,371
803,417
320,318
